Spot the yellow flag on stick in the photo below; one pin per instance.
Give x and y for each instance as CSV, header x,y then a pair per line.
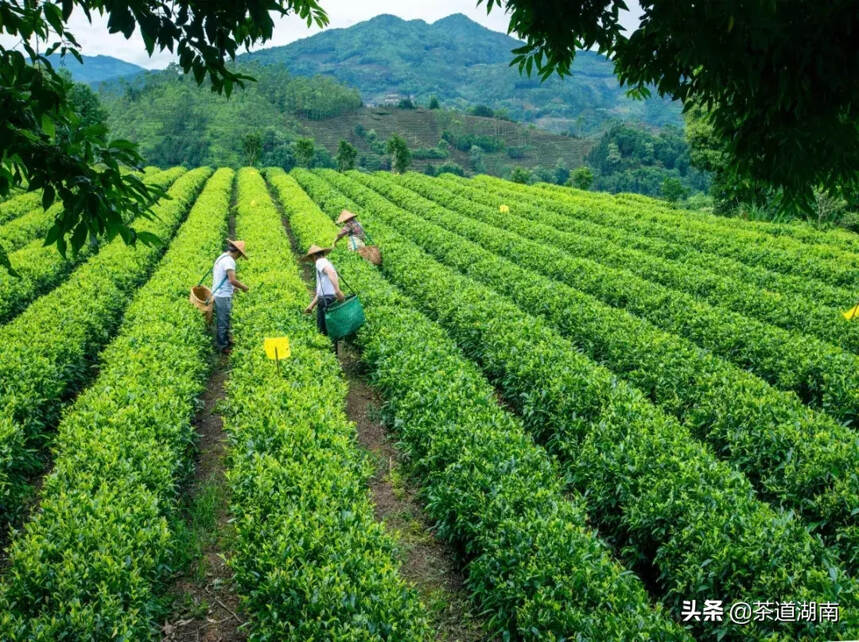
x,y
276,347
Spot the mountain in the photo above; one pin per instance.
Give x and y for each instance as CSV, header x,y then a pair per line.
x,y
95,69
464,64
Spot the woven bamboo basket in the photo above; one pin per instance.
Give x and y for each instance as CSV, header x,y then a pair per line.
x,y
201,298
371,253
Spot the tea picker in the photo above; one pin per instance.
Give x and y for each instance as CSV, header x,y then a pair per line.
x,y
337,315
359,239
220,299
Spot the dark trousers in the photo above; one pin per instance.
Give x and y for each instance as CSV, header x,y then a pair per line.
x,y
223,309
322,305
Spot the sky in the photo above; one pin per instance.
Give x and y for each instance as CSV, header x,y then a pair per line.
x,y
95,39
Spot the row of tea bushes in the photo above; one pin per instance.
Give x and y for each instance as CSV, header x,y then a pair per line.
x,y
822,375
533,565
310,561
518,199
36,222
780,254
693,524
794,312
798,458
41,268
50,350
829,237
25,228
91,562
19,205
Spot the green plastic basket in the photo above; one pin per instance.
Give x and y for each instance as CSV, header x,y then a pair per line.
x,y
343,319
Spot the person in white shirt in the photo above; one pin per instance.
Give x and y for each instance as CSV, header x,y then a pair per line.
x,y
327,284
224,283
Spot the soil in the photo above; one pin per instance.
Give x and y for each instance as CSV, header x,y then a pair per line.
x,y
425,562
206,606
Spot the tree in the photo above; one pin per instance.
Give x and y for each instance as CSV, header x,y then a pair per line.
x,y
346,155
520,175
276,150
709,152
86,104
305,150
251,147
582,177
561,172
44,144
778,78
405,103
475,157
433,103
401,157
673,190
482,110
450,168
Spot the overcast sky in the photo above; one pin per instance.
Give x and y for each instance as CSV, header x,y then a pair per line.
x,y
95,39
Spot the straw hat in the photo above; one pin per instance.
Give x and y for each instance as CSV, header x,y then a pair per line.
x,y
346,215
239,245
315,249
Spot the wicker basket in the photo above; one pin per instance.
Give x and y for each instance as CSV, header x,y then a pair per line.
x,y
371,253
201,298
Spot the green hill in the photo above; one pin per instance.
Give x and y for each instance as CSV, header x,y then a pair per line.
x,y
465,64
177,122
95,69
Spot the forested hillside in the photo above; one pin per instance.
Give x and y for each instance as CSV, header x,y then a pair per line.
x,y
465,64
177,122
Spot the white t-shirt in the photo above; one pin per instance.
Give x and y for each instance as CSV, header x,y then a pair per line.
x,y
324,286
219,273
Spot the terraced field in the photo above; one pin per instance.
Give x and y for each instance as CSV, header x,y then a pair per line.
x,y
618,421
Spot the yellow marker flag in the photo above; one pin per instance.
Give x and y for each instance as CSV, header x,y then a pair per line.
x,y
852,313
276,347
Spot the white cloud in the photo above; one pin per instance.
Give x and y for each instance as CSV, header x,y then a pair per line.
x,y
95,39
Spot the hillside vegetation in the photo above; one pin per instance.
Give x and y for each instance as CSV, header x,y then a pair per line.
x,y
464,64
177,122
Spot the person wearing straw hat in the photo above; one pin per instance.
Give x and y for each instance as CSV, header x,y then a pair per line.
x,y
351,228
224,282
327,284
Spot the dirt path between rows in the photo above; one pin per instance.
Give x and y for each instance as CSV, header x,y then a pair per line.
x,y
205,604
426,563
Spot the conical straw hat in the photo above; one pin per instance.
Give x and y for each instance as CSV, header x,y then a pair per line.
x,y
346,215
239,245
315,249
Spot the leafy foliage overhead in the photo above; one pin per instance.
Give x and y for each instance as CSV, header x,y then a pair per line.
x,y
777,77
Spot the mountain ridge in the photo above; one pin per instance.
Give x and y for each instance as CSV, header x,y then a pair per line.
x,y
95,69
463,64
